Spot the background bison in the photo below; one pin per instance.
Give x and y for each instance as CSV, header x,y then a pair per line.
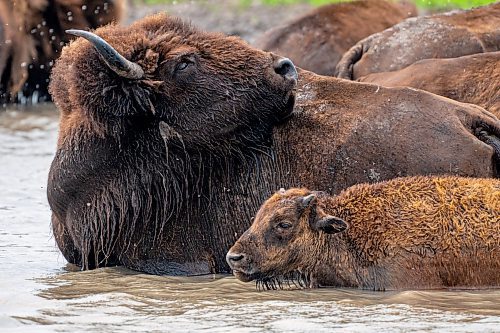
x,y
447,35
33,35
472,79
406,233
317,40
165,153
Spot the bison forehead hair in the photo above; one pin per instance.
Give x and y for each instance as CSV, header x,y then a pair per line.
x,y
274,246
282,242
205,86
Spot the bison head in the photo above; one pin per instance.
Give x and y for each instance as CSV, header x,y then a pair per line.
x,y
282,240
207,87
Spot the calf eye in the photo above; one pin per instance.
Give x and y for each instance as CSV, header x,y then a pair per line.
x,y
284,225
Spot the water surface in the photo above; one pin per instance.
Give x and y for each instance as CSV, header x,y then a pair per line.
x,y
40,292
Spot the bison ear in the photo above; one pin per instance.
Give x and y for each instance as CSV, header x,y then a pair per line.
x,y
308,201
330,224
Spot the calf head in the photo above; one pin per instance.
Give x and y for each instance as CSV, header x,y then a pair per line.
x,y
209,88
284,237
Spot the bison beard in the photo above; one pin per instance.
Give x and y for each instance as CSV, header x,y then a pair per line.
x,y
161,174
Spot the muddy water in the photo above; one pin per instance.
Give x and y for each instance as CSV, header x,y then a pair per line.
x,y
40,292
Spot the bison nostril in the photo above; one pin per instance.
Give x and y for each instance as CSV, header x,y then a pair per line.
x,y
285,68
233,258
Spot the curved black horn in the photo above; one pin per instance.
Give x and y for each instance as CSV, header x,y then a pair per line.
x,y
111,57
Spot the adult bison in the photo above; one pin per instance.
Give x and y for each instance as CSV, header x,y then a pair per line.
x,y
472,79
32,36
317,40
167,148
447,35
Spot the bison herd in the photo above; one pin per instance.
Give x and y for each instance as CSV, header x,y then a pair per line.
x,y
171,138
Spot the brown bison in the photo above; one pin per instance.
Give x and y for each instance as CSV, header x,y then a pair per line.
x,y
406,233
317,40
172,137
472,79
32,34
447,35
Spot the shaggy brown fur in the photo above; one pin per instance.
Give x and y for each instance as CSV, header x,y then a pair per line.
x,y
32,34
115,188
472,79
406,233
317,40
16,50
448,35
162,173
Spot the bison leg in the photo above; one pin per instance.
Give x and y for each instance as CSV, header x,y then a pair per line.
x,y
490,136
345,67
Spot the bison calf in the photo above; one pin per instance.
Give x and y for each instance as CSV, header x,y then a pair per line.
x,y
406,233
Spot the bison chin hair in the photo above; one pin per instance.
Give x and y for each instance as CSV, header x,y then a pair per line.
x,y
290,280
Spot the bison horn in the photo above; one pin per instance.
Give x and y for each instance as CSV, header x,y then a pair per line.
x,y
111,57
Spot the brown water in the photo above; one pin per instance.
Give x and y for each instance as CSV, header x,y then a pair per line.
x,y
40,292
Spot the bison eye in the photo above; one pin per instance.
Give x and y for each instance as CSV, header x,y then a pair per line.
x,y
182,66
284,225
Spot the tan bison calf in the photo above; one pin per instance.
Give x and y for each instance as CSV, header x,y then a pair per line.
x,y
447,35
317,40
406,233
472,79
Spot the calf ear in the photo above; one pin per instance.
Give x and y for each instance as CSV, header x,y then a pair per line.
x,y
308,200
330,224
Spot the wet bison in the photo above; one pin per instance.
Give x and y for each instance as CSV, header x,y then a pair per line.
x,y
171,138
317,40
472,79
447,35
406,233
32,36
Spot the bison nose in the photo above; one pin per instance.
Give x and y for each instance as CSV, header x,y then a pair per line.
x,y
285,68
234,258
